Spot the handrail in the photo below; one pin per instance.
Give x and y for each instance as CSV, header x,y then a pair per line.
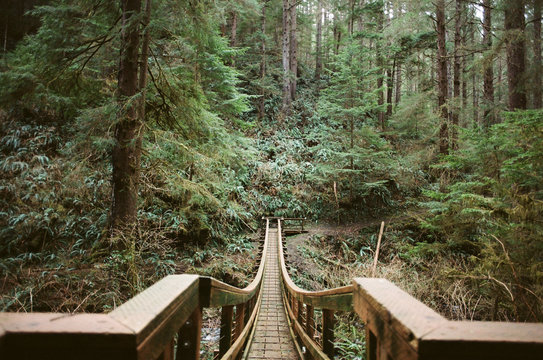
x,y
400,327
142,328
223,294
333,299
299,301
397,325
300,220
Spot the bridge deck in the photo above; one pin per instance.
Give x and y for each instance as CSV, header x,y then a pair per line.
x,y
272,339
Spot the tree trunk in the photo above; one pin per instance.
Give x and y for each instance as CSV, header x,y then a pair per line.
x,y
464,66
474,91
390,88
262,63
286,57
398,96
538,102
514,27
442,77
234,31
456,73
318,50
380,68
488,81
351,18
126,152
293,50
142,82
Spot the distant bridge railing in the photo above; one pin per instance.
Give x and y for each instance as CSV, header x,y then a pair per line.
x,y
400,327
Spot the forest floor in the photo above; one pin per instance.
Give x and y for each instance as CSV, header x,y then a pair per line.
x,y
315,268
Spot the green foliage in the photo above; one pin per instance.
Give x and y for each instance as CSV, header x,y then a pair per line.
x,y
490,213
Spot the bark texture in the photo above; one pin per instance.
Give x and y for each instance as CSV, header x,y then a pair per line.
x,y
538,101
286,59
262,62
318,50
442,77
293,62
516,63
456,73
380,68
488,80
126,153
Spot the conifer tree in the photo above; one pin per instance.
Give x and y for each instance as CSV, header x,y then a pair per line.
x,y
516,63
442,77
126,154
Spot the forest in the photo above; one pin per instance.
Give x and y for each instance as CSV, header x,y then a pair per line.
x,y
142,138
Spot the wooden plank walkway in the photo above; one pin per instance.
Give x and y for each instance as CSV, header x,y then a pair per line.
x,y
272,339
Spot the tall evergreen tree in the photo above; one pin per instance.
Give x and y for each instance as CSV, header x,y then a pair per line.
x,y
488,81
538,92
516,63
126,154
287,100
442,87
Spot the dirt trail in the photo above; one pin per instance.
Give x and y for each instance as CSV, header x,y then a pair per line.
x,y
296,259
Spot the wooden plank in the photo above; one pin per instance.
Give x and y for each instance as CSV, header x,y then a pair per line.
x,y
144,312
401,312
155,314
318,299
189,338
483,340
65,336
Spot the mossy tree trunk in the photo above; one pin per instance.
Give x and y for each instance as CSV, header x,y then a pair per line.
x,y
132,79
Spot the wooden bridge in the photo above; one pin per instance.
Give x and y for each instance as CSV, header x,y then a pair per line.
x,y
271,318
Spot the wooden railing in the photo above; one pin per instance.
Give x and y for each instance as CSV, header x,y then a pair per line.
x,y
145,327
400,327
295,225
301,305
149,325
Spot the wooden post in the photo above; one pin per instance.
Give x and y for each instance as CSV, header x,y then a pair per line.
x,y
226,329
168,352
371,345
188,342
240,320
300,313
328,322
309,325
377,249
247,312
